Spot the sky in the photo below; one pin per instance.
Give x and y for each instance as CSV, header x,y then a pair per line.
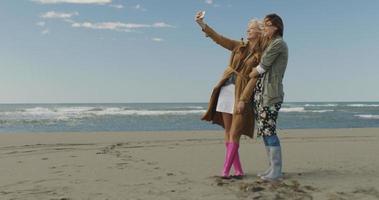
x,y
123,51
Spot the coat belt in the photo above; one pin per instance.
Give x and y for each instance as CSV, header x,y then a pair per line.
x,y
239,74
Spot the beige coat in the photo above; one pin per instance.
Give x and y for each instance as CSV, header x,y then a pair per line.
x,y
242,62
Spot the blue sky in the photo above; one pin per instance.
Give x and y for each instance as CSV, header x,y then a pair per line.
x,y
57,51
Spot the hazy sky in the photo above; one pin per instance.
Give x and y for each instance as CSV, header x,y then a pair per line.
x,y
153,51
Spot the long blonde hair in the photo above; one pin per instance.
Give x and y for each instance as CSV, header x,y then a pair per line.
x,y
261,43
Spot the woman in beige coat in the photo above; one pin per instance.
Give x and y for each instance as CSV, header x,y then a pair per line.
x,y
228,92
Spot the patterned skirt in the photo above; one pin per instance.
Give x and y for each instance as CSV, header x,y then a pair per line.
x,y
265,116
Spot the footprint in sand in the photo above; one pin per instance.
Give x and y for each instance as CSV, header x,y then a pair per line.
x,y
152,163
182,173
291,189
101,180
288,189
76,181
184,181
358,193
5,193
122,165
221,182
110,150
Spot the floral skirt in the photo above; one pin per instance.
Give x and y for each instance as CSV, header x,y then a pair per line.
x,y
266,116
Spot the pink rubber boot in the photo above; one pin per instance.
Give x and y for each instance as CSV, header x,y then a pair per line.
x,y
236,163
226,152
231,151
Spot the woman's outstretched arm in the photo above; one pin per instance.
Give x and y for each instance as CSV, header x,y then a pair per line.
x,y
219,39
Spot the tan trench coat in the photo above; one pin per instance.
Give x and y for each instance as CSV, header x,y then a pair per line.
x,y
242,62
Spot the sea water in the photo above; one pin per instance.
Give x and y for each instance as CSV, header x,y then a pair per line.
x,y
17,118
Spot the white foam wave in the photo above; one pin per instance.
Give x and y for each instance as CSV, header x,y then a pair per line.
x,y
321,111
195,107
302,110
74,109
363,105
38,111
368,116
320,105
60,113
115,111
65,113
293,109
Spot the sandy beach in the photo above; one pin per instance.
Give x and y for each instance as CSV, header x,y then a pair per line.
x,y
318,164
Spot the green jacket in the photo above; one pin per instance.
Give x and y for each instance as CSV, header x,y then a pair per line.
x,y
274,62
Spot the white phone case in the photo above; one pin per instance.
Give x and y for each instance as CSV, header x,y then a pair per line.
x,y
202,15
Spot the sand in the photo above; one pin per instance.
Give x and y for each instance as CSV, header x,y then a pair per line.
x,y
318,164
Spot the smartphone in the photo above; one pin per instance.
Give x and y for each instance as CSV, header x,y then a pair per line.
x,y
202,14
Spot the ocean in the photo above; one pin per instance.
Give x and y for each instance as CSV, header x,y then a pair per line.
x,y
21,118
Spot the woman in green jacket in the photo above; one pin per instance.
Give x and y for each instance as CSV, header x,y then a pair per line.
x,y
267,82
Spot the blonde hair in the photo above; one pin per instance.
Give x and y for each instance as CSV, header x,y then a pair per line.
x,y
256,22
261,45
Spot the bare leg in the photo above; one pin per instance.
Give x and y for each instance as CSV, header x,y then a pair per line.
x,y
227,118
234,136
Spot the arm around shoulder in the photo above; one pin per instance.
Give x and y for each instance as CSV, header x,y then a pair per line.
x,y
249,88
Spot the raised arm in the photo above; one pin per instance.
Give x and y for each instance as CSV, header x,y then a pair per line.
x,y
219,39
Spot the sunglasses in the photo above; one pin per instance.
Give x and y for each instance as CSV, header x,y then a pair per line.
x,y
267,23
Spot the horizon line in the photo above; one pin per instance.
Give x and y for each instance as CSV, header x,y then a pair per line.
x,y
162,102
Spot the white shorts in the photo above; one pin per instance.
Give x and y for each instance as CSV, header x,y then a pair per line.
x,y
225,101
